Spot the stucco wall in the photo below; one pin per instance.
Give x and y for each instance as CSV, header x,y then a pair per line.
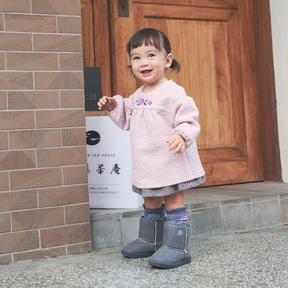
x,y
279,21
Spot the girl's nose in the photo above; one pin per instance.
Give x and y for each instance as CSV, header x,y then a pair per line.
x,y
143,63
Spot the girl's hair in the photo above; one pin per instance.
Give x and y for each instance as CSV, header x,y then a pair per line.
x,y
149,36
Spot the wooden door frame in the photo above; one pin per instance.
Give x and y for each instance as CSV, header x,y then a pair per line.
x,y
266,91
265,79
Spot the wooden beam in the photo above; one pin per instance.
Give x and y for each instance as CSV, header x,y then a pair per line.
x,y
266,91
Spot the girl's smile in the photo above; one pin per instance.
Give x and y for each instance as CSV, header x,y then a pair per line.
x,y
146,72
149,65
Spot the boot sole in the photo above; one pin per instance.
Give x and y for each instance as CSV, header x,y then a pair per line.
x,y
159,264
136,254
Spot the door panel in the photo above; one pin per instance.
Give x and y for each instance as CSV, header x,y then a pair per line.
x,y
196,3
96,49
214,43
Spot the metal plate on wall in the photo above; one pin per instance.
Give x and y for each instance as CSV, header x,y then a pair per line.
x,y
93,88
123,8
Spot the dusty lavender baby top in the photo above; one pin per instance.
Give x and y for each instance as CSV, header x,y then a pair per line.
x,y
151,119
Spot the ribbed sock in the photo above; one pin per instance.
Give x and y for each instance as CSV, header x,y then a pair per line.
x,y
155,214
178,216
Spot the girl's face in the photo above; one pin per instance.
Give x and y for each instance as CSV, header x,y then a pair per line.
x,y
149,65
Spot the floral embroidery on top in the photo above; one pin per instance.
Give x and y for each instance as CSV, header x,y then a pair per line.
x,y
141,101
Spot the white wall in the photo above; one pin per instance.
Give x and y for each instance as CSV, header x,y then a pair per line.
x,y
279,20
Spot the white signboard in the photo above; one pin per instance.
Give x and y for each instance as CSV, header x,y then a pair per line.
x,y
109,165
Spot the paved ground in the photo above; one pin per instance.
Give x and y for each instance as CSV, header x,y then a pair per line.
x,y
258,259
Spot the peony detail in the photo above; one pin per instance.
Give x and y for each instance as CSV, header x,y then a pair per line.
x,y
141,101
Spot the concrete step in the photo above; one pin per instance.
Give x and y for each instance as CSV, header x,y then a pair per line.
x,y
239,208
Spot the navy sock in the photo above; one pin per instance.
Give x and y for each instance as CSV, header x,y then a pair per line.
x,y
178,216
155,214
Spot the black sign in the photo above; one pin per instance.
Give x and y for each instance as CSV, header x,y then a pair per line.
x,y
93,88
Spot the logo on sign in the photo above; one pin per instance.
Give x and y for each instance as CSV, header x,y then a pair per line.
x,y
92,137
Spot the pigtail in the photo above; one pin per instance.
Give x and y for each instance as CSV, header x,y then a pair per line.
x,y
175,65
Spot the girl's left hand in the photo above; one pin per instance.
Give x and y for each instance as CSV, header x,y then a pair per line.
x,y
176,141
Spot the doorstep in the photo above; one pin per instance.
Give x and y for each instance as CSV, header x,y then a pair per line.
x,y
214,211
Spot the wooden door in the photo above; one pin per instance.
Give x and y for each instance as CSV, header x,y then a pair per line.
x,y
213,40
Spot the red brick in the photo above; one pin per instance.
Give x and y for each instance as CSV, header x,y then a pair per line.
x,y
5,222
24,159
15,41
72,99
1,22
79,248
3,141
18,241
3,100
63,195
60,118
68,24
20,200
34,139
37,218
71,61
17,120
5,258
61,156
21,6
74,136
57,43
33,100
16,80
75,175
4,181
2,59
56,7
35,178
30,23
65,235
58,80
77,213
32,61
43,253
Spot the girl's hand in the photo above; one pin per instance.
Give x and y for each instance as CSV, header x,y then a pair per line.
x,y
176,141
107,103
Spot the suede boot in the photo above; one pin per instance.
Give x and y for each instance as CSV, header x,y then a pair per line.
x,y
174,251
149,241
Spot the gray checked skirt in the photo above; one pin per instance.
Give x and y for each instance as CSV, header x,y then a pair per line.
x,y
168,190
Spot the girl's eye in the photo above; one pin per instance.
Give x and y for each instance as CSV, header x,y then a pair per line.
x,y
150,55
136,58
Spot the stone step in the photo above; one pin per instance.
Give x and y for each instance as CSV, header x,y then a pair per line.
x,y
266,206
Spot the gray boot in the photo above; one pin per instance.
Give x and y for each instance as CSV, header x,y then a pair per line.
x,y
175,248
149,241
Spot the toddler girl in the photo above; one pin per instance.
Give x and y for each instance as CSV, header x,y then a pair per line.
x,y
163,126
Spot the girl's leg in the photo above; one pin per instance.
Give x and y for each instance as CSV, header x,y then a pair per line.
x,y
153,202
175,200
175,209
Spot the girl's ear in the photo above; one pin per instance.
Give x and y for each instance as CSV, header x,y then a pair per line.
x,y
169,60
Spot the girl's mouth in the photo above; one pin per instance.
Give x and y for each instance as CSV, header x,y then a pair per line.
x,y
145,72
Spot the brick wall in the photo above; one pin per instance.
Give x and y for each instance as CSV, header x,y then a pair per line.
x,y
44,208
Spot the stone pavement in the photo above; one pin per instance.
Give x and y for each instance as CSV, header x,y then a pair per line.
x,y
255,259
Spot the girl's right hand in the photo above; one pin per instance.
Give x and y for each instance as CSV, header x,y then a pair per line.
x,y
107,103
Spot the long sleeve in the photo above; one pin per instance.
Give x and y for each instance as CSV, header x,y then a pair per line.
x,y
121,115
151,118
186,119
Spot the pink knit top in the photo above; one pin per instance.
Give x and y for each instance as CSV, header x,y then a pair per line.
x,y
151,119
